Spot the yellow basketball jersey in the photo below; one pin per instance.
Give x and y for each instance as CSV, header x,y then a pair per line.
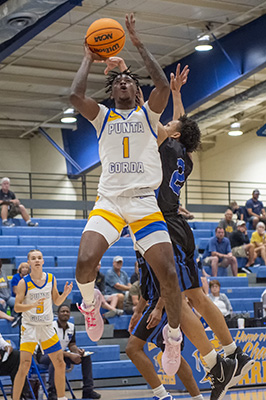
x,y
128,150
43,314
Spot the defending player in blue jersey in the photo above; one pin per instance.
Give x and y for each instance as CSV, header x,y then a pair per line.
x,y
177,140
131,171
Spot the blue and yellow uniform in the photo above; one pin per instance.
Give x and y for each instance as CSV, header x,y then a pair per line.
x,y
37,323
131,171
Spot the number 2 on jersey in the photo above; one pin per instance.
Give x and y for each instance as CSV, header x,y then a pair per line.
x,y
178,176
126,147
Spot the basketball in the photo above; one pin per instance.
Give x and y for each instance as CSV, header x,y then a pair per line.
x,y
105,37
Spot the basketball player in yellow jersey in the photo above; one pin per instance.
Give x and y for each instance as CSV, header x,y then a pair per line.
x,y
131,171
36,293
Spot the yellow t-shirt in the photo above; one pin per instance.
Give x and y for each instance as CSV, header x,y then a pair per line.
x,y
257,238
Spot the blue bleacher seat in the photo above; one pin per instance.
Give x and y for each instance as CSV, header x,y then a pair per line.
x,y
13,251
8,240
41,231
129,261
59,250
5,328
243,292
61,223
66,273
82,339
261,272
104,353
203,243
221,271
231,281
121,322
244,305
205,225
69,261
121,251
49,240
202,233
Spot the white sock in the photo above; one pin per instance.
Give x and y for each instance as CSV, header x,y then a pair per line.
x,y
199,397
229,349
62,398
4,220
174,333
210,359
87,291
27,222
159,391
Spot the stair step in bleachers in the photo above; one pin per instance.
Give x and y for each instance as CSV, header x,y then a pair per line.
x,y
202,233
13,251
243,292
229,281
244,305
110,341
104,353
122,250
39,231
59,250
66,273
49,240
8,240
108,369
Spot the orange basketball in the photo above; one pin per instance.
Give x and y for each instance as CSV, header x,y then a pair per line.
x,y
106,37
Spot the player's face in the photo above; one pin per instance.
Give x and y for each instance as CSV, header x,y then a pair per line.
x,y
36,260
172,128
124,88
64,313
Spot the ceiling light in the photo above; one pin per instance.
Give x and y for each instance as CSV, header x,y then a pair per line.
x,y
204,43
235,129
69,111
68,120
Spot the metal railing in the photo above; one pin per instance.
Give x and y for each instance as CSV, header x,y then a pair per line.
x,y
52,195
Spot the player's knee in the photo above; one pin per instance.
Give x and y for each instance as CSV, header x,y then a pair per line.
x,y
24,367
132,349
59,364
86,260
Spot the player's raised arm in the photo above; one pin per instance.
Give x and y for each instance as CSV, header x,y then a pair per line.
x,y
58,299
88,107
159,96
177,81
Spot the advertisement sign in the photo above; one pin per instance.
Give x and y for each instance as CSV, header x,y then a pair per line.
x,y
251,340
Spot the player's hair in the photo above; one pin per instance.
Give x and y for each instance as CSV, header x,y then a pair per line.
x,y
113,75
190,133
214,282
32,251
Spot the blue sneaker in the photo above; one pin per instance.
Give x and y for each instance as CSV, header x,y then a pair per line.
x,y
167,397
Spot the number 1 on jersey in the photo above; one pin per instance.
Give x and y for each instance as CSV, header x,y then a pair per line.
x,y
126,147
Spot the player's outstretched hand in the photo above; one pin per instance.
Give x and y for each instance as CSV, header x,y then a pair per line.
x,y
178,79
68,288
130,24
113,62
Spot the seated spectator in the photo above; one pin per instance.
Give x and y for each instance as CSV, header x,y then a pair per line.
x,y
66,333
10,206
220,299
258,239
240,245
240,211
135,277
263,300
117,282
10,365
218,253
23,270
255,209
5,293
227,223
113,300
132,298
185,212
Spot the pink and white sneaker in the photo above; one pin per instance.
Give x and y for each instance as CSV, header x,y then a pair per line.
x,y
171,357
93,319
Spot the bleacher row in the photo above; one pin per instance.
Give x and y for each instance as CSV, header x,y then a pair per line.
x,y
59,242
